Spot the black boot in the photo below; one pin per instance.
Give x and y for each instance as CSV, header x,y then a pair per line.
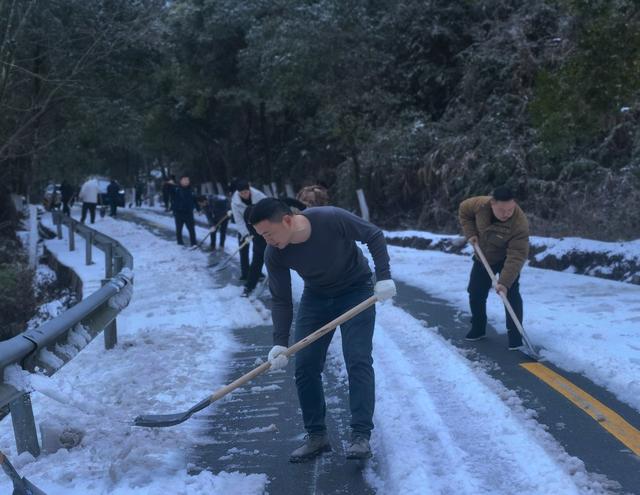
x,y
314,445
359,447
474,335
515,340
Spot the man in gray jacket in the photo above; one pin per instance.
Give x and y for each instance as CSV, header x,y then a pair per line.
x,y
320,244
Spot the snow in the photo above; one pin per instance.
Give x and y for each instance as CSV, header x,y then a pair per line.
x,y
174,340
465,432
568,315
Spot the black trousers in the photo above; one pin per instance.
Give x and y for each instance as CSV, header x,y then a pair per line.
x,y
91,208
113,204
479,286
65,207
183,219
222,230
257,260
244,260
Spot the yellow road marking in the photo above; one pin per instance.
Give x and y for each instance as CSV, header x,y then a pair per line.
x,y
608,419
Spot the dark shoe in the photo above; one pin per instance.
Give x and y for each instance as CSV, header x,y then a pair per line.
x,y
359,448
515,340
474,335
246,292
243,278
314,445
262,276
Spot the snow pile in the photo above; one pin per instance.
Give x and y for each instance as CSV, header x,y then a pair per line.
x,y
173,343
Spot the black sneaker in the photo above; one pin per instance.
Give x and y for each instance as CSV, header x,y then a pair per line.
x,y
359,448
474,335
515,340
314,445
246,292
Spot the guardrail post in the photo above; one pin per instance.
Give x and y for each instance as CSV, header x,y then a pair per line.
x,y
108,261
72,237
113,264
87,250
110,331
24,425
58,221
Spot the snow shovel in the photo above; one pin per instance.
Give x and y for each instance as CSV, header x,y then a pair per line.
x,y
532,352
215,227
21,486
161,420
222,265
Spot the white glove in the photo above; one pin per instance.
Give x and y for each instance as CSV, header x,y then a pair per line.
x,y
230,213
276,357
384,289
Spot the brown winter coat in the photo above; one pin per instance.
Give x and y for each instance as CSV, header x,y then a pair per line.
x,y
500,241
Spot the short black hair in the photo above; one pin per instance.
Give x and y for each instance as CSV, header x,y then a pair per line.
x,y
202,199
503,193
184,176
242,185
271,209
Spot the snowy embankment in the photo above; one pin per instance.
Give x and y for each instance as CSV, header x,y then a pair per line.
x,y
583,324
173,343
610,260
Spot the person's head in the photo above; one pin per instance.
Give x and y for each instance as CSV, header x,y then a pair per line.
x,y
185,181
315,195
202,201
242,186
273,220
503,203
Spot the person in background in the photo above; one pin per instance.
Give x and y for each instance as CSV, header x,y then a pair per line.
x,y
113,191
183,202
314,195
244,196
89,195
216,209
66,195
167,187
139,191
500,228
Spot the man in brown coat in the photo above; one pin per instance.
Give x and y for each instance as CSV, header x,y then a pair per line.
x,y
501,230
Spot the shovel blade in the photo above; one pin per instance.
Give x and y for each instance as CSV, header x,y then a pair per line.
x,y
161,420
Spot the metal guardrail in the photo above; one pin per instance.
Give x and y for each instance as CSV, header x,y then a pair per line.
x,y
54,343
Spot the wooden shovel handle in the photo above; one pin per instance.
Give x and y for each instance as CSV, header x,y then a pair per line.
x,y
506,302
218,394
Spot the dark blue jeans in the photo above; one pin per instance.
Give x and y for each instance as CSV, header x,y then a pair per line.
x,y
357,338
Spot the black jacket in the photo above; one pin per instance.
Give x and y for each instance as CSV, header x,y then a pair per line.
x,y
112,189
183,200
